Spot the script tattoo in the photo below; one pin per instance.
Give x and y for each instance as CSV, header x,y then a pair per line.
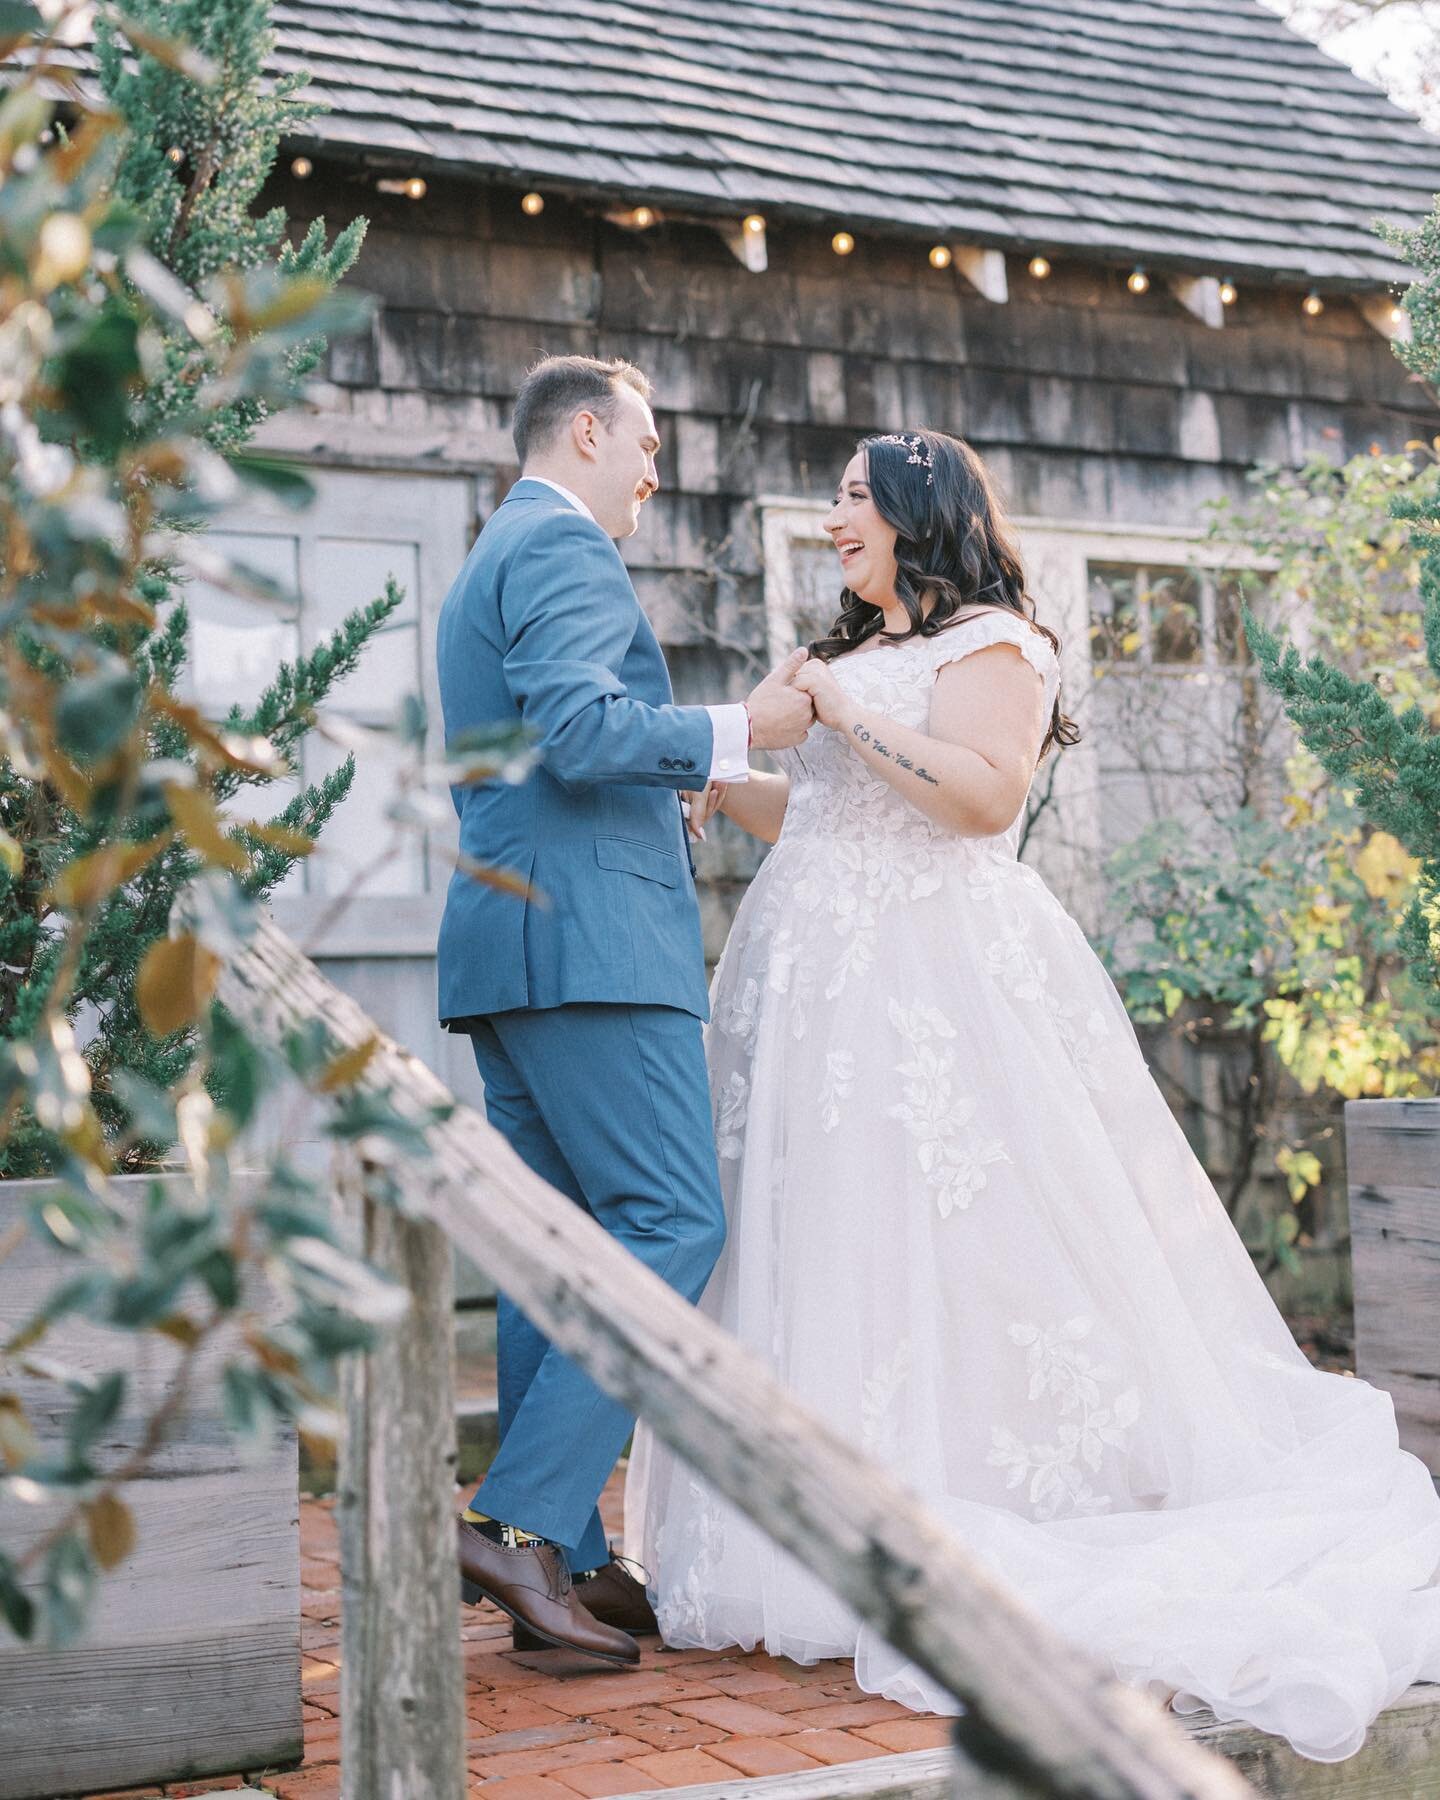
x,y
897,757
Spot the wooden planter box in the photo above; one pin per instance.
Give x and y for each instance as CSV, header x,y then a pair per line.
x,y
192,1662
1392,1149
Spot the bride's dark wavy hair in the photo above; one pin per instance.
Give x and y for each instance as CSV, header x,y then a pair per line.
x,y
953,544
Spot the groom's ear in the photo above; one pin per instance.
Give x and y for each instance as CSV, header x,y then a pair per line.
x,y
585,432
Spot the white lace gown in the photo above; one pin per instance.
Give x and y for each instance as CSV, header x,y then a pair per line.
x,y
967,1231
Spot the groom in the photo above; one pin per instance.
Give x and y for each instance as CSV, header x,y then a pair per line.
x,y
585,1011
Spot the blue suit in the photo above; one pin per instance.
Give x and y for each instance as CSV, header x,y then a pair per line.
x,y
585,1011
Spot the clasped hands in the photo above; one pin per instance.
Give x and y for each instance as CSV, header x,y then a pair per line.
x,y
782,709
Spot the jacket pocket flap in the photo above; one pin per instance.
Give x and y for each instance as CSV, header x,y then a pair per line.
x,y
635,858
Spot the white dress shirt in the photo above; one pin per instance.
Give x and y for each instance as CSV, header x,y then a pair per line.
x,y
730,754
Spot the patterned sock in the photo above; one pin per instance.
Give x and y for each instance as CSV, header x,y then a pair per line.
x,y
511,1536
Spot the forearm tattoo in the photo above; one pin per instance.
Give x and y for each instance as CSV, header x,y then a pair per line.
x,y
898,757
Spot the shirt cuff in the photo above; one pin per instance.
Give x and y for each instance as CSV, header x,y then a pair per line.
x,y
730,760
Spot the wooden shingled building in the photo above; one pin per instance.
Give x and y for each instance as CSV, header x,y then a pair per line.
x,y
1126,249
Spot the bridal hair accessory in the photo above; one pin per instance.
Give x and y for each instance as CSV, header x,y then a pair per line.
x,y
919,453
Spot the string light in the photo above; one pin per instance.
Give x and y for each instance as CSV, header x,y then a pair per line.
x,y
175,154
1138,281
1312,304
533,205
940,257
1397,315
412,186
842,243
415,188
755,223
302,168
1039,267
644,217
1229,294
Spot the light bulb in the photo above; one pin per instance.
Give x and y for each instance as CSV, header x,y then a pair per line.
x,y
533,204
302,168
415,187
940,257
1397,315
1039,267
1229,294
842,243
1138,281
755,224
643,217
175,154
1312,304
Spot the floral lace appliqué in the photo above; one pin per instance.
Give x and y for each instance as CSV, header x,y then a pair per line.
x,y
1055,1473
952,1154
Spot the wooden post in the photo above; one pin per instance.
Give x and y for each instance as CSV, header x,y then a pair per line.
x,y
1392,1153
402,1700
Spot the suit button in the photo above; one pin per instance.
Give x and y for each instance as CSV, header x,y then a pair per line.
x,y
665,763
687,764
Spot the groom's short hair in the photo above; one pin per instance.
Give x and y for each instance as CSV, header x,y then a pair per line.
x,y
557,388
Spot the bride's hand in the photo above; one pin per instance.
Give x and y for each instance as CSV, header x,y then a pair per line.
x,y
702,807
832,704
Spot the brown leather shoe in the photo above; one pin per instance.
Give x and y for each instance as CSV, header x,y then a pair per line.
x,y
614,1596
532,1584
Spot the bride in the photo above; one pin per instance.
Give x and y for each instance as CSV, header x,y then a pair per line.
x,y
965,1228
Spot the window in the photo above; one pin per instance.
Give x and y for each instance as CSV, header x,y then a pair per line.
x,y
335,556
1162,617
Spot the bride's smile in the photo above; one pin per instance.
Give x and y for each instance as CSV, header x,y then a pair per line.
x,y
863,538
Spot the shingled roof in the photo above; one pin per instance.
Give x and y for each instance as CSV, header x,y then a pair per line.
x,y
1191,133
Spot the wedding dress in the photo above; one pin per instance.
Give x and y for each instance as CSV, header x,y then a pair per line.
x,y
967,1231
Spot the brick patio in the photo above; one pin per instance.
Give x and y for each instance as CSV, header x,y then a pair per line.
x,y
547,1726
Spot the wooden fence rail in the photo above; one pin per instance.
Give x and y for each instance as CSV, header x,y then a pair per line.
x,y
1040,1716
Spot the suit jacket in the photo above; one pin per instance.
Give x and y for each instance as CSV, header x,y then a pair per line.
x,y
543,625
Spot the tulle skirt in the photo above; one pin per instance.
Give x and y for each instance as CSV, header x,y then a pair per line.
x,y
966,1230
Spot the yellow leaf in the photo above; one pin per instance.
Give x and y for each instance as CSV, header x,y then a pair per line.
x,y
348,1067
196,814
280,837
1130,643
1385,867
112,1529
11,855
86,881
17,1440
504,879
179,1329
176,978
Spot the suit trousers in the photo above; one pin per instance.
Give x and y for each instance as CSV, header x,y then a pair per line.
x,y
611,1105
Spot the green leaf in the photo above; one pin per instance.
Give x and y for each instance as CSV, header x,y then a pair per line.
x,y
16,1606
247,1403
283,481
69,1583
220,1273
145,1299
236,1066
96,370
99,1405
95,712
19,19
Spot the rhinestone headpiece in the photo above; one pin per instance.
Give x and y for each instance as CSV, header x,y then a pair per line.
x,y
919,452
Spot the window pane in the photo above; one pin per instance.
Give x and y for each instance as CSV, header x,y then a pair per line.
x,y
237,644
360,844
1174,596
1234,588
1114,615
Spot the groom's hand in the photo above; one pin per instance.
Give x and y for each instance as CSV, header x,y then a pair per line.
x,y
780,714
